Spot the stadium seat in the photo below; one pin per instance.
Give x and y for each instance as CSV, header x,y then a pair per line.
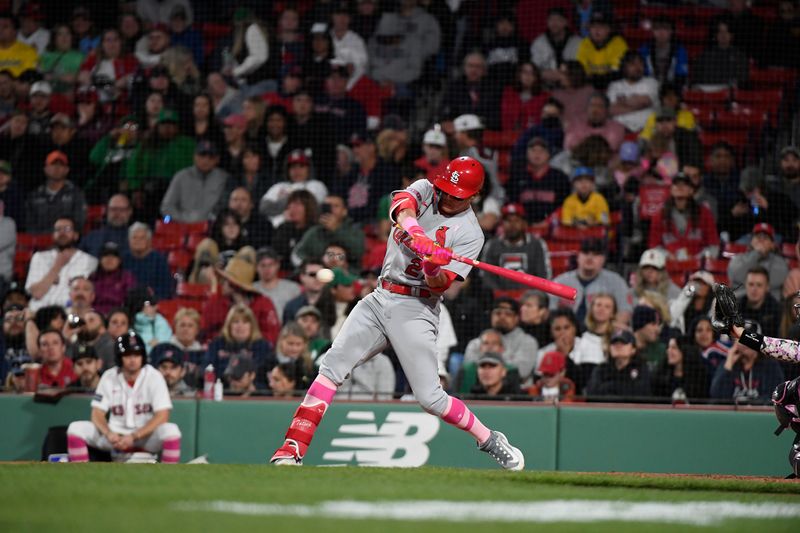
x,y
516,294
742,118
563,247
192,291
716,98
179,261
561,263
180,228
575,234
34,242
94,217
716,266
684,266
732,249
167,242
499,139
194,240
651,200
773,78
789,250
22,258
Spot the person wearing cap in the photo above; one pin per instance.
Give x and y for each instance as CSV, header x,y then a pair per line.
x,y
86,366
555,46
601,51
299,177
40,113
338,300
57,369
585,206
335,226
184,345
169,362
635,96
62,137
646,325
152,46
348,46
15,55
758,305
540,188
684,228
269,283
722,64
111,281
669,97
624,375
552,383
310,319
516,249
591,278
695,300
234,131
762,252
57,197
652,275
195,192
493,377
434,157
395,56
316,64
598,121
759,204
240,375
348,116
519,347
31,31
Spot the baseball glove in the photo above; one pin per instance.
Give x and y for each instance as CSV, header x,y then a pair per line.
x,y
725,313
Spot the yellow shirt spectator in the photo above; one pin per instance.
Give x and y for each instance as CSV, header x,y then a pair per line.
x,y
685,120
18,58
601,61
593,212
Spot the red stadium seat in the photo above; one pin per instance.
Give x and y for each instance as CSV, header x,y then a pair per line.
x,y
570,234
563,248
716,266
179,261
789,250
194,240
561,263
94,217
742,118
22,258
499,139
732,249
772,78
180,228
716,98
651,200
685,266
192,291
508,293
167,242
34,242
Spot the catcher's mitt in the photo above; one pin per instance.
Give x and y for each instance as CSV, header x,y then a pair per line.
x,y
725,312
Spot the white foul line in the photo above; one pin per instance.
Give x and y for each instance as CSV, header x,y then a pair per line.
x,y
694,513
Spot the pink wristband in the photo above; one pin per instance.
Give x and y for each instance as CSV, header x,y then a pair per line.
x,y
411,225
431,269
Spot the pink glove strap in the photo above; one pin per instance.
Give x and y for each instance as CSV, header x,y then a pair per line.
x,y
431,269
411,226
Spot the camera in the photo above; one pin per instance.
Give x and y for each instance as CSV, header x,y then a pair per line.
x,y
74,321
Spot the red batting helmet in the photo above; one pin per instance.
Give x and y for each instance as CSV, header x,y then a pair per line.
x,y
462,178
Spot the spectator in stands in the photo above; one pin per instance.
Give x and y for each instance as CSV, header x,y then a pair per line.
x,y
665,58
335,256
635,96
240,376
113,144
601,320
762,252
310,130
240,335
300,214
682,142
252,176
349,47
111,281
109,65
670,98
227,233
62,137
624,374
585,207
118,322
280,291
317,62
419,25
759,205
195,192
746,376
713,350
292,349
236,287
82,24
276,144
12,340
86,366
203,124
147,265
334,226
722,182
681,375
397,56
338,299
31,31
591,278
56,370
15,55
520,348
434,158
170,364
366,18
372,380
21,150
310,319
159,11
471,93
45,318
348,116
574,92
90,331
722,64
247,57
684,228
299,177
552,384
515,249
57,197
115,229
60,62
747,28
40,112
522,101
312,290
598,122
583,355
151,325
540,188
8,98
505,51
646,325
256,230
534,312
235,134
782,41
758,305
493,377
149,49
184,346
554,47
226,99
601,51
51,271
10,195
653,276
789,179
183,34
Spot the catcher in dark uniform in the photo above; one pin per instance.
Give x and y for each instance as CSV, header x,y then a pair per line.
x,y
726,318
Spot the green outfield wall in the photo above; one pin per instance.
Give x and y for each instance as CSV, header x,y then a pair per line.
x,y
566,437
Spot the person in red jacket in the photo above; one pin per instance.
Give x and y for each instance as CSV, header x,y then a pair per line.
x,y
236,286
684,228
522,103
111,69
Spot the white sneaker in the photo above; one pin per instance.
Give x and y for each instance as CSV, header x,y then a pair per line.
x,y
507,456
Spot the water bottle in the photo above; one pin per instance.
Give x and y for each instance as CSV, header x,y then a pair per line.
x,y
754,206
208,382
218,390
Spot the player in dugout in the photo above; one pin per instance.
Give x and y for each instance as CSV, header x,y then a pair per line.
x,y
433,222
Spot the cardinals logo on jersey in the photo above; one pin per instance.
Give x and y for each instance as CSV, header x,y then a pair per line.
x,y
441,235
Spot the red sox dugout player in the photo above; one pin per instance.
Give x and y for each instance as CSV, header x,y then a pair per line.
x,y
404,310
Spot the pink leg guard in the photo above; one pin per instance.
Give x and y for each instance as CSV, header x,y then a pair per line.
x,y
322,390
459,415
308,416
77,450
171,451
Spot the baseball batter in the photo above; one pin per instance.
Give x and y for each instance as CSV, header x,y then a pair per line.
x,y
137,397
436,220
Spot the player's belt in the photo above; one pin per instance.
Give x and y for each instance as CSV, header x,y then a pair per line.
x,y
406,290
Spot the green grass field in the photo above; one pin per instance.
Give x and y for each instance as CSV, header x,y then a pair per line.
x,y
111,497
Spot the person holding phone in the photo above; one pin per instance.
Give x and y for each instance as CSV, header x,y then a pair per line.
x,y
334,226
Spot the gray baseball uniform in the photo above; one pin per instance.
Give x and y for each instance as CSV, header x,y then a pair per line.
x,y
409,323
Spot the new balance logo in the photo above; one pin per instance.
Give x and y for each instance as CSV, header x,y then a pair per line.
x,y
401,441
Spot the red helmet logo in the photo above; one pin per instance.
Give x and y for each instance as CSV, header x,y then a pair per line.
x,y
462,178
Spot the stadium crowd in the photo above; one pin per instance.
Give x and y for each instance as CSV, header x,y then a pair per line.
x,y
184,169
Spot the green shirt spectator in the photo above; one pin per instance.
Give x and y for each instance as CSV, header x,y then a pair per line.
x,y
162,155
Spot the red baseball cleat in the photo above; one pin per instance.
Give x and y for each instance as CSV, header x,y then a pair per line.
x,y
287,455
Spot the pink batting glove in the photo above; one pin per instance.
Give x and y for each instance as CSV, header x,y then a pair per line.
x,y
440,256
430,269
